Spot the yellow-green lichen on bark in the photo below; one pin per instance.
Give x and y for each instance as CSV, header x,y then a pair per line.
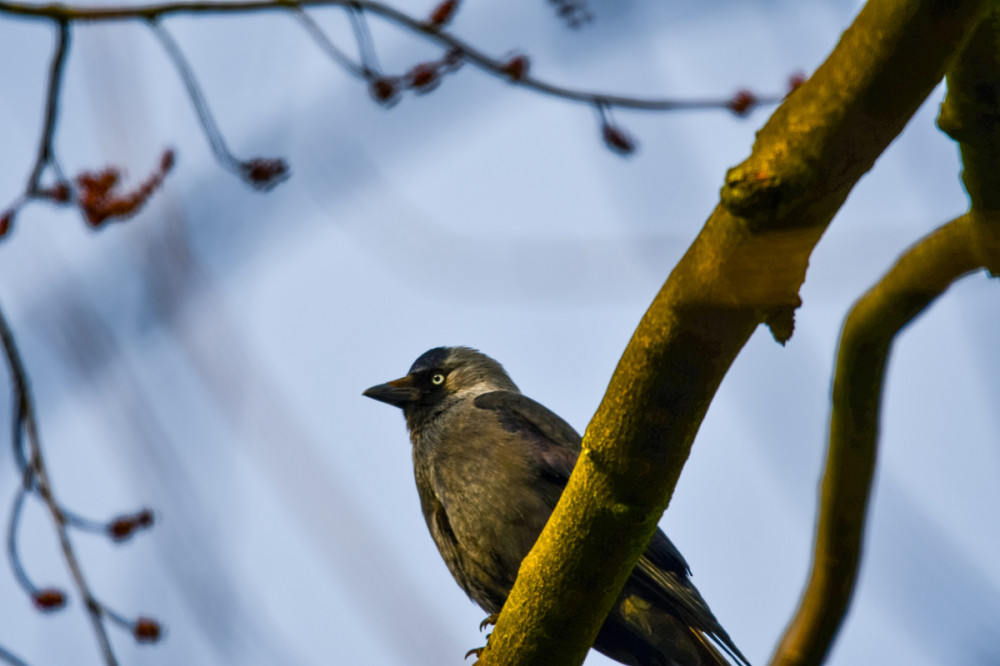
x,y
747,261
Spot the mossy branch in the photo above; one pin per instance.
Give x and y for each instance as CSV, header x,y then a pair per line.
x,y
744,268
971,115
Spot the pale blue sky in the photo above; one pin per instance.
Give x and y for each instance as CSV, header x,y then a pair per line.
x,y
207,357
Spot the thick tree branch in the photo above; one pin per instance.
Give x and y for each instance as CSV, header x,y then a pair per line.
x,y
744,268
971,115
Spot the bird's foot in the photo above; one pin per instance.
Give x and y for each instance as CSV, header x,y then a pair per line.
x,y
489,621
479,650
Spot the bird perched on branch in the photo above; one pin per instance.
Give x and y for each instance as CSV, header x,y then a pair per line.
x,y
490,465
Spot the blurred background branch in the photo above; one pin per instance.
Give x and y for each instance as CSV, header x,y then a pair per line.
x,y
35,481
265,173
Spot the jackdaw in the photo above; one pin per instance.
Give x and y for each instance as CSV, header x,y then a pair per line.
x,y
490,465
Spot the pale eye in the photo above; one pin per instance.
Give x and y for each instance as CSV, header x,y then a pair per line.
x,y
437,379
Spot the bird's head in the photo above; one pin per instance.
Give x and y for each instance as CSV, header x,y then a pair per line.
x,y
442,373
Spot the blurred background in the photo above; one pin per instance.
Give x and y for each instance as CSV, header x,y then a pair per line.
x,y
206,358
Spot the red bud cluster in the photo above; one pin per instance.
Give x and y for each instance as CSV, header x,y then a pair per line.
x,y
49,599
6,221
384,90
742,102
796,80
124,527
442,14
147,630
617,139
264,173
99,201
517,67
424,77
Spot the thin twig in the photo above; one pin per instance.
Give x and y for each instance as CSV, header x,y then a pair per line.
x,y
363,36
46,156
265,173
24,411
261,173
176,56
326,44
11,658
16,510
118,619
83,523
151,12
17,439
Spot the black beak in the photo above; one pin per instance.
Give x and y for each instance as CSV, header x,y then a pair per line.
x,y
398,393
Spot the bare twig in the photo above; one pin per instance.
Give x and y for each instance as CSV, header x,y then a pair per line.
x,y
151,12
265,173
326,44
11,658
24,413
59,191
215,140
96,194
363,36
12,528
46,155
262,173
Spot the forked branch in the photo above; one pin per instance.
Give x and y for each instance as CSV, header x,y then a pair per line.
x,y
743,269
971,115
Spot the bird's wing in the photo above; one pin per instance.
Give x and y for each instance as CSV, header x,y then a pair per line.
x,y
661,553
464,571
444,537
555,444
661,576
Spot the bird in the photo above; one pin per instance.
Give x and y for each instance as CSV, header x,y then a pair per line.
x,y
490,464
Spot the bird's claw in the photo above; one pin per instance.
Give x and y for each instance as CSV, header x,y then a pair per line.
x,y
479,650
489,621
